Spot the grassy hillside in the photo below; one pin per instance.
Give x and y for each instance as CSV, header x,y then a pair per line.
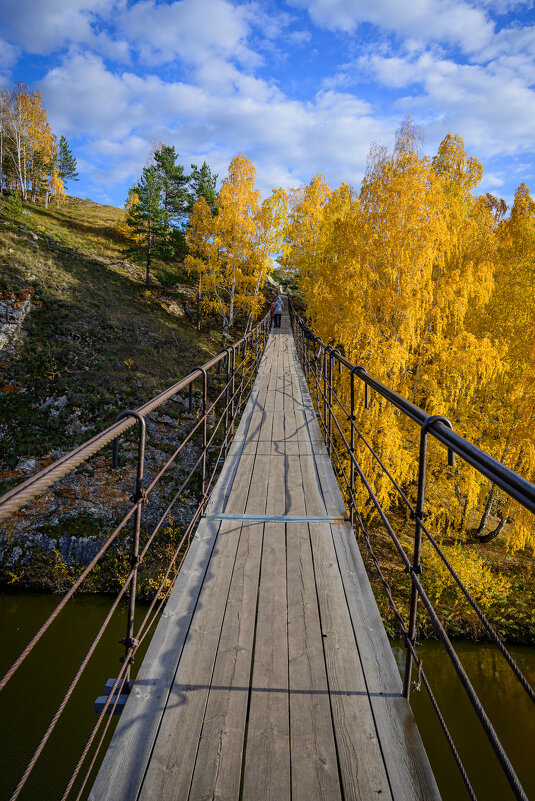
x,y
95,341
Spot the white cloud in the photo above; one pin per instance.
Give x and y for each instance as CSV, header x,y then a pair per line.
x,y
510,42
189,29
506,6
122,114
391,71
490,181
491,107
45,26
300,38
84,98
209,101
429,20
8,58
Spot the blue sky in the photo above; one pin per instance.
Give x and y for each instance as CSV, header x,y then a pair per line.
x,y
300,87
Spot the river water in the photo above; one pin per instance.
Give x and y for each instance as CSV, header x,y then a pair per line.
x,y
32,696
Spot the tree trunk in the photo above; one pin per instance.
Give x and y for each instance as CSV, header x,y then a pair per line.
x,y
148,264
488,508
199,304
25,194
497,531
149,237
231,300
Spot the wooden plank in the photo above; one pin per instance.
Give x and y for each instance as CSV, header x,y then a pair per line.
x,y
314,430
237,496
314,501
255,427
313,750
124,764
267,753
408,768
256,499
301,429
217,771
266,427
362,770
295,494
291,425
169,772
276,488
332,496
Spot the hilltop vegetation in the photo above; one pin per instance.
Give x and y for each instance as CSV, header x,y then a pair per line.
x,y
95,341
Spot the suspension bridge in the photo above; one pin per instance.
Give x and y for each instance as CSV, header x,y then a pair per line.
x,y
269,675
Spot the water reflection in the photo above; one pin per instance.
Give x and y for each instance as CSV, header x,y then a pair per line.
x,y
30,699
506,703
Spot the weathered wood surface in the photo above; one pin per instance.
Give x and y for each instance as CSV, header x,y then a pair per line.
x,y
270,675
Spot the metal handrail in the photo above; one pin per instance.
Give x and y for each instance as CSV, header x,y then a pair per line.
x,y
242,360
511,482
318,359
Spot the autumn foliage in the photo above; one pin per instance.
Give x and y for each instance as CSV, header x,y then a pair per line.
x,y
32,163
431,288
231,251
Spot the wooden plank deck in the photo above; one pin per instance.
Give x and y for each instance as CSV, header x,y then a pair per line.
x,y
270,675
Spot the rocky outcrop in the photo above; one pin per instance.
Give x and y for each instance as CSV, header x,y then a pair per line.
x,y
14,309
63,529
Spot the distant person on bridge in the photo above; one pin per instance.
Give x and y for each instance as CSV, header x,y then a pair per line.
x,y
277,312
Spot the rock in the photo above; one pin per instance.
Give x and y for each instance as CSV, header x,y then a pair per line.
x,y
13,312
26,465
16,553
79,549
66,492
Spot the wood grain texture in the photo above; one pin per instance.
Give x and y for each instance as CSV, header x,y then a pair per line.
x,y
313,749
408,768
172,760
267,754
362,770
217,772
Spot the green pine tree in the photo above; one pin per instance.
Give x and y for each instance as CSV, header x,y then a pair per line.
x,y
174,201
203,184
66,162
146,219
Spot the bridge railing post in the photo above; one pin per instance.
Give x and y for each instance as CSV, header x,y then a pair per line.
x,y
245,352
227,398
331,412
139,498
352,447
328,396
416,568
204,373
325,393
233,388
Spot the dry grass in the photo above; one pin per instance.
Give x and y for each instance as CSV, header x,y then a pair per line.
x,y
95,336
